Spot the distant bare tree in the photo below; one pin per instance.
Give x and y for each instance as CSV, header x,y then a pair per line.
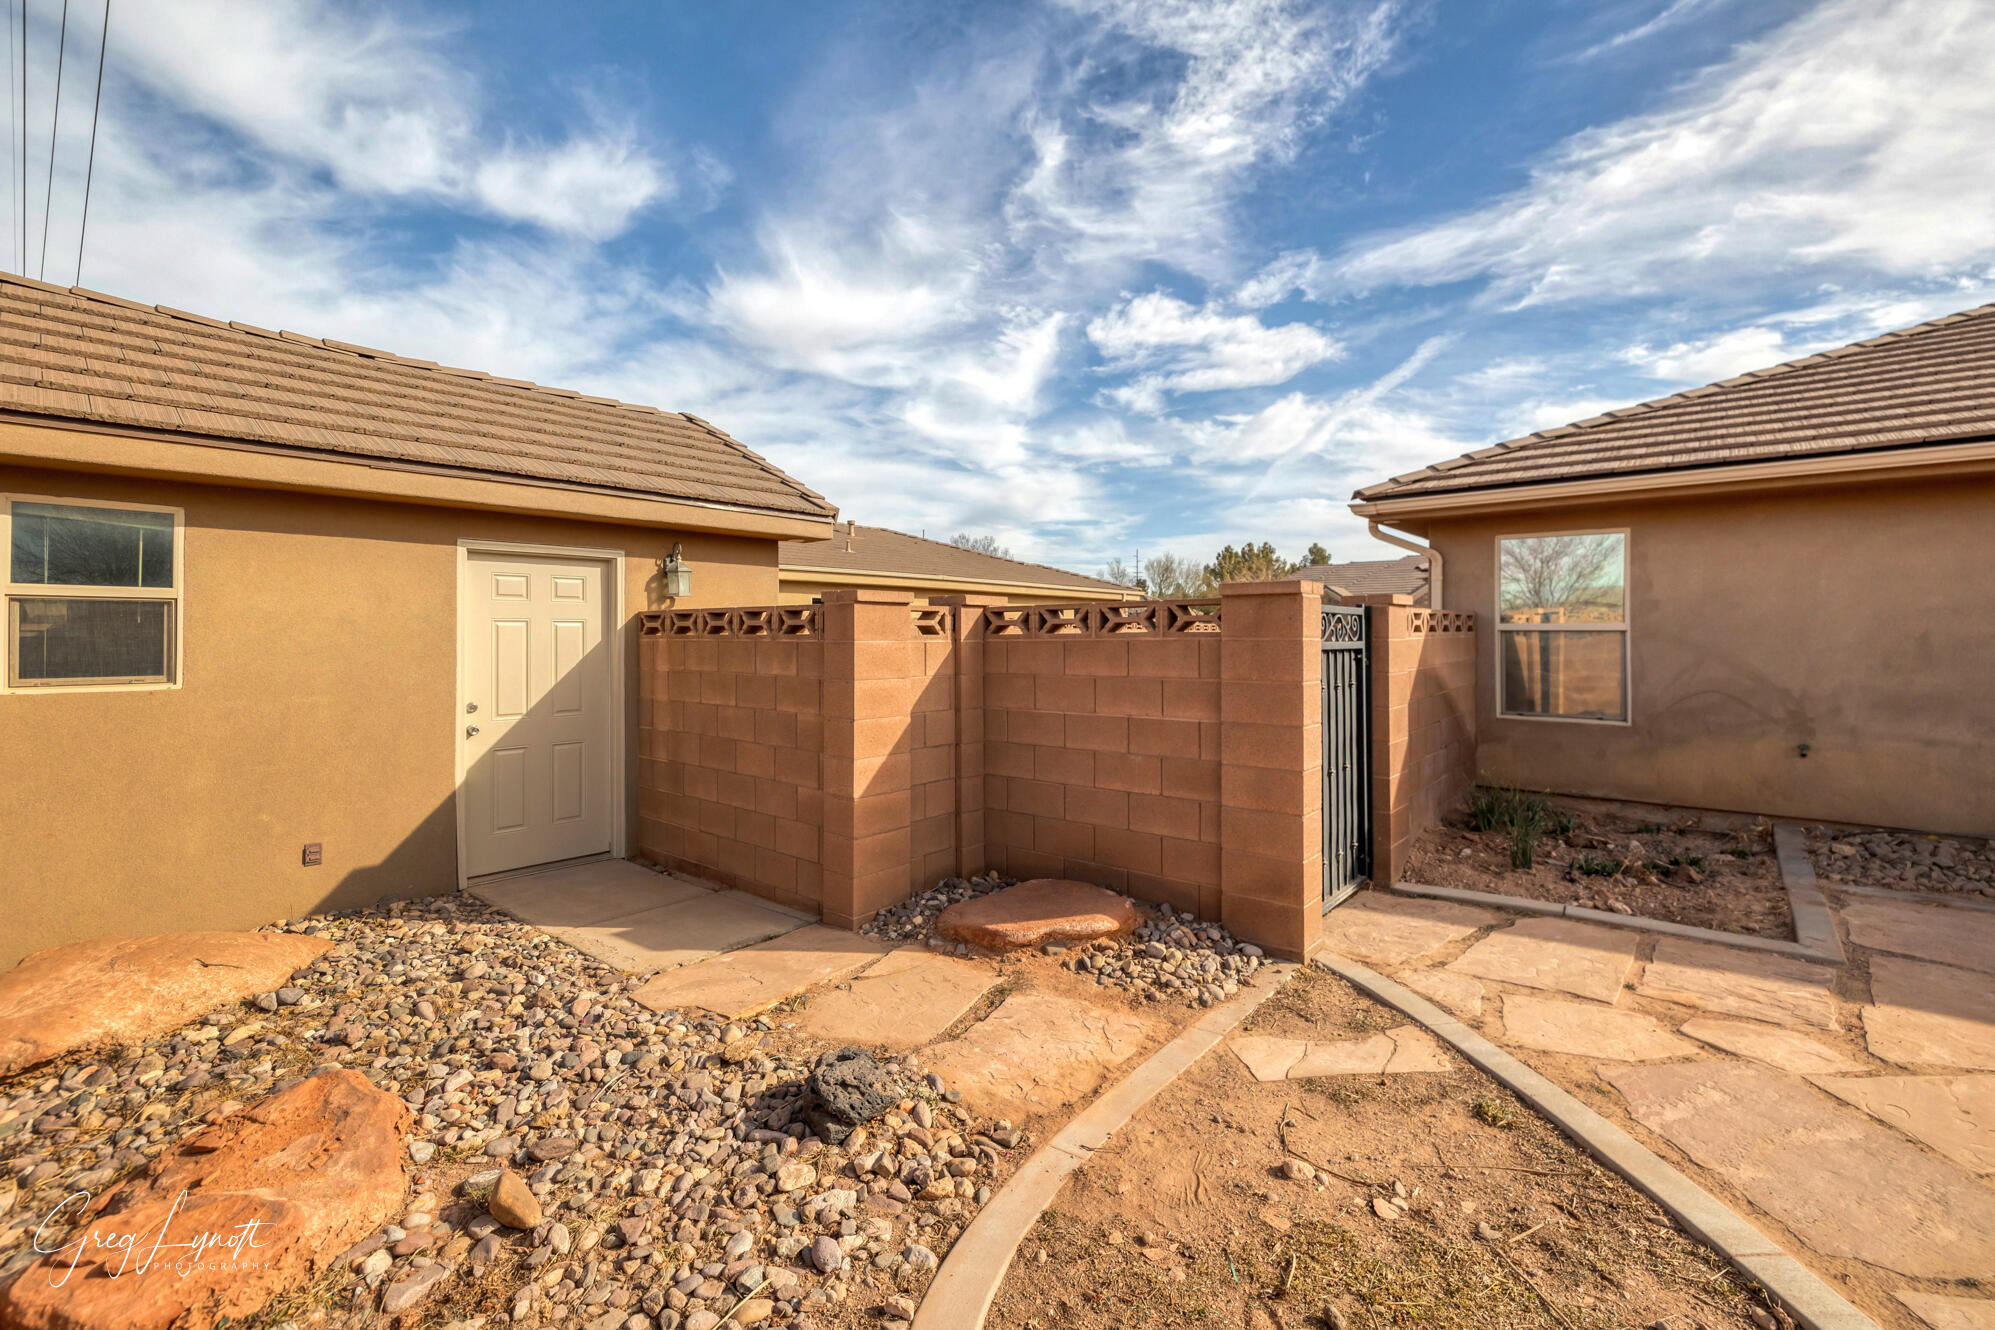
x,y
1542,572
1120,573
980,545
1173,577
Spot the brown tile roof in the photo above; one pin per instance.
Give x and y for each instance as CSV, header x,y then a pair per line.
x,y
876,549
1373,577
1934,383
81,355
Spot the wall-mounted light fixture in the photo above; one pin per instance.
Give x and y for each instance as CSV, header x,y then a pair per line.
x,y
678,574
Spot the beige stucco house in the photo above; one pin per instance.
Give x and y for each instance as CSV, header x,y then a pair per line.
x,y
1774,594
881,559
293,624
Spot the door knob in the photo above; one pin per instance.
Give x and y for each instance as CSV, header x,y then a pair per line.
x,y
470,730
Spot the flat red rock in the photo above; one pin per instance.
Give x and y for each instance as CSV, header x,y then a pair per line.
x,y
228,1219
1046,909
113,992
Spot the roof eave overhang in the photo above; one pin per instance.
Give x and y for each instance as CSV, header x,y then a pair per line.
x,y
855,577
83,446
1929,460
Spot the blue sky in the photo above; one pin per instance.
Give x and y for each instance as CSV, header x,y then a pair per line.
x,y
1096,278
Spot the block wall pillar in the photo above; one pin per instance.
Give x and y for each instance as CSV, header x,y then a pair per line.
x,y
968,669
869,663
1271,764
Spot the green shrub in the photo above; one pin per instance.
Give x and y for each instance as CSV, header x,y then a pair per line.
x,y
1524,829
1592,866
1525,816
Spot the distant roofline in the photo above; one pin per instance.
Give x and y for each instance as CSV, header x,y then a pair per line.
x,y
1072,580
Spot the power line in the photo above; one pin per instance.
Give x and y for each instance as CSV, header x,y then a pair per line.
x,y
24,138
13,130
55,119
89,171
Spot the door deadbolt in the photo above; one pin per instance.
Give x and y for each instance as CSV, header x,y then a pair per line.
x,y
470,707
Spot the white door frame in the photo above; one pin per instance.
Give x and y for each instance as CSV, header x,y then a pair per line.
x,y
613,634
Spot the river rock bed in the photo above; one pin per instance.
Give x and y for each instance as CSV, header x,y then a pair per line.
x,y
576,1158
915,917
1173,957
1898,861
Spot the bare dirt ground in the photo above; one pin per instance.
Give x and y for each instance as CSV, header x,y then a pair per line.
x,y
1677,870
1449,1204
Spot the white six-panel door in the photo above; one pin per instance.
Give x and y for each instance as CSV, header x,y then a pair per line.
x,y
536,711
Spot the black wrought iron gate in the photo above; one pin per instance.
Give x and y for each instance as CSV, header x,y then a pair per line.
x,y
1347,768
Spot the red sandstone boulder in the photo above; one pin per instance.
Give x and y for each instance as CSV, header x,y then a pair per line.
x,y
228,1219
1046,909
112,992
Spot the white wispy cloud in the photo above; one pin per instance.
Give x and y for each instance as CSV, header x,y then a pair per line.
x,y
1817,146
1176,347
377,105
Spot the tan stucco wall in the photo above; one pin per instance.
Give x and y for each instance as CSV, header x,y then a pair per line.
x,y
318,703
1858,620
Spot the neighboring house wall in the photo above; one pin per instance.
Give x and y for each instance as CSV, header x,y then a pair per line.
x,y
1858,620
318,702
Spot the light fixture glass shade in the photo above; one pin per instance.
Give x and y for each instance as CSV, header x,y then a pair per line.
x,y
678,575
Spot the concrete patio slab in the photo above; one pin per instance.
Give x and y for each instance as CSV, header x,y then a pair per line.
x,y
1942,1312
1457,992
752,979
1037,1053
1395,930
1953,1114
1585,960
1926,932
1553,1025
586,894
666,937
1408,1049
1769,1044
1846,1186
1929,1015
910,997
1777,989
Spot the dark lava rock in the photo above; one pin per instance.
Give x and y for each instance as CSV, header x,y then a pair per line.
x,y
849,1087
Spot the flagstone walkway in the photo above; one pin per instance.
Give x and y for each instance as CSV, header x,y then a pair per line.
x,y
1839,1109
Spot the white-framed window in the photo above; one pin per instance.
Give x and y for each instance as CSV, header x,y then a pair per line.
x,y
1562,626
91,593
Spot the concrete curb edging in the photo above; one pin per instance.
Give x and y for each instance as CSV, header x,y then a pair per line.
x,y
1810,1301
1812,925
960,1295
1803,950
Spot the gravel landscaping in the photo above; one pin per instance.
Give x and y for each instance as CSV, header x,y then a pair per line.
x,y
578,1159
1903,861
1170,957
